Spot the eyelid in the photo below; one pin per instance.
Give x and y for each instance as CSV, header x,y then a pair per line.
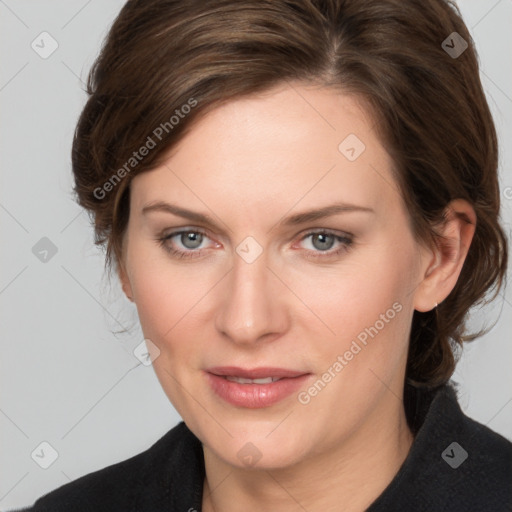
x,y
326,231
345,238
179,231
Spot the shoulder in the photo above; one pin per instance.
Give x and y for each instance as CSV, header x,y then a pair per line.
x,y
474,463
118,486
472,467
481,464
455,464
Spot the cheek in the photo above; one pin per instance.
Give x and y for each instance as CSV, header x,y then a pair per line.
x,y
165,300
363,310
164,293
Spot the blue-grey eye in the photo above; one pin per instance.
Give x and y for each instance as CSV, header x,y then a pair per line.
x,y
325,241
191,239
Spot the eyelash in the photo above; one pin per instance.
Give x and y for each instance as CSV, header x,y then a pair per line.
x,y
346,242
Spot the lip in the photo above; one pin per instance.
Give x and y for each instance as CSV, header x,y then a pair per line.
x,y
255,396
255,373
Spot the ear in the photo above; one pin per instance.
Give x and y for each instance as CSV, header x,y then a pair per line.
x,y
125,281
443,263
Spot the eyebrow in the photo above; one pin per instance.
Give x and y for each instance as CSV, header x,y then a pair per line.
x,y
293,220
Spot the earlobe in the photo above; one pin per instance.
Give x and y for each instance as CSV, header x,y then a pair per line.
x,y
450,251
125,283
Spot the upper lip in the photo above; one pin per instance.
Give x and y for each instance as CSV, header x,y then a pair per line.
x,y
254,373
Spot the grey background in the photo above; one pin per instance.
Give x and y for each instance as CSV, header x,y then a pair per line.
x,y
65,377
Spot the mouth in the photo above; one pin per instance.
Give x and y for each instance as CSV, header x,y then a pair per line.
x,y
254,388
266,372
242,380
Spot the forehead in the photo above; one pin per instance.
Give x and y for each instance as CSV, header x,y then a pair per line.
x,y
292,145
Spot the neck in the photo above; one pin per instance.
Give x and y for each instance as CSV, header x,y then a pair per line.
x,y
353,473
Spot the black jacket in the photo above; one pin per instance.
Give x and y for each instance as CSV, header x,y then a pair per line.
x,y
455,464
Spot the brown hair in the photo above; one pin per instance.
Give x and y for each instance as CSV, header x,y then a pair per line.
x,y
166,63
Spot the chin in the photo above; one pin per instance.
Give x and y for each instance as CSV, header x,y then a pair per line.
x,y
256,449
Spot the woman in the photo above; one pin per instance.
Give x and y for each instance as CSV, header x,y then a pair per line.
x,y
301,199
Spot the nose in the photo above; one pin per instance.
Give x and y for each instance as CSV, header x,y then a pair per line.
x,y
253,308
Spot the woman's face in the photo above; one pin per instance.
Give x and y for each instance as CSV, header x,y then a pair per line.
x,y
254,288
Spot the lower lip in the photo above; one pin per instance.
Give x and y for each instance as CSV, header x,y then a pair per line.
x,y
255,396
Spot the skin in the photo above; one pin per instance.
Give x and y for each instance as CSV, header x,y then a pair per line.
x,y
249,164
